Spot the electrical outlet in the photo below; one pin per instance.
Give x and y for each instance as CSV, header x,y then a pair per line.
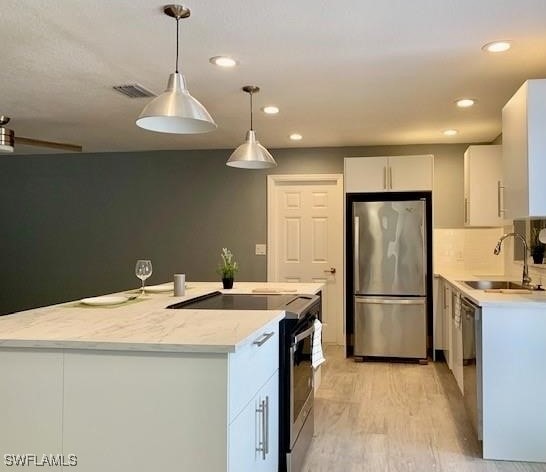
x,y
260,249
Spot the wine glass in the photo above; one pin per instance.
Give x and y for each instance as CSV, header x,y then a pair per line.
x,y
143,270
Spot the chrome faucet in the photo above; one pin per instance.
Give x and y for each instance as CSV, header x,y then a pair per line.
x,y
526,280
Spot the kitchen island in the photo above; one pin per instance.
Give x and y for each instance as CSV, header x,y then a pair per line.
x,y
138,387
510,335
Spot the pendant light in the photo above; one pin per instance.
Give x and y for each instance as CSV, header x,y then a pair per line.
x,y
251,154
175,110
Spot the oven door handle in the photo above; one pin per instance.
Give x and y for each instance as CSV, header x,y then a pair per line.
x,y
300,336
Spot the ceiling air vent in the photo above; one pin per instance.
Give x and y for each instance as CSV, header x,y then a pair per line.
x,y
134,91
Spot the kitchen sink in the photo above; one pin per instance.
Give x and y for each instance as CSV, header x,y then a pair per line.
x,y
492,284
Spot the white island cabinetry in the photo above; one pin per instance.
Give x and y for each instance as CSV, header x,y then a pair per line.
x,y
139,387
142,411
31,378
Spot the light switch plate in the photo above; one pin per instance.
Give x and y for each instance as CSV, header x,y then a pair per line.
x,y
260,249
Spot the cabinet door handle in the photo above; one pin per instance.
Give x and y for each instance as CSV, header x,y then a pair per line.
x,y
385,178
466,210
263,339
390,177
266,426
262,444
500,191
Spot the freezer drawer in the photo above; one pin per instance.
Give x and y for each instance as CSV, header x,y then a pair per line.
x,y
390,327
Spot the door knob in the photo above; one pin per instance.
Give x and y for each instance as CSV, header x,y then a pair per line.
x,y
331,270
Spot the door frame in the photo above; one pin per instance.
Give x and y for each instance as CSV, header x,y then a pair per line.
x,y
274,181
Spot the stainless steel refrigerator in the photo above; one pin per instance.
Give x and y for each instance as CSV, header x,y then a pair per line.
x,y
390,278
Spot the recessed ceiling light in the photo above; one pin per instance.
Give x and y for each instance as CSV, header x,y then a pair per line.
x,y
451,132
465,102
270,110
296,137
497,46
223,61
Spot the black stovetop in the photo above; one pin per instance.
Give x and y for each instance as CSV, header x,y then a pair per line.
x,y
224,301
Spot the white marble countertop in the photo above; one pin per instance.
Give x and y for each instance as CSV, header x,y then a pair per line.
x,y
484,299
145,324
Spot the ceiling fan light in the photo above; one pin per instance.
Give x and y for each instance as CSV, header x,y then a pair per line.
x,y
176,111
251,155
7,140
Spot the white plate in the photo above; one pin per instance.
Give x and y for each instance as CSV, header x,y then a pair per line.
x,y
106,300
542,236
159,288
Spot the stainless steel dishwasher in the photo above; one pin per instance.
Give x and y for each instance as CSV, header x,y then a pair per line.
x,y
471,315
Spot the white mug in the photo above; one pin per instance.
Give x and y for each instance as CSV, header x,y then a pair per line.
x,y
179,285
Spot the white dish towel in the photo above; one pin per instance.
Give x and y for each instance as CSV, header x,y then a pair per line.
x,y
317,357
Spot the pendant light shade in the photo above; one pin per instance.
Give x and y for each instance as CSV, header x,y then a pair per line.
x,y
175,110
251,154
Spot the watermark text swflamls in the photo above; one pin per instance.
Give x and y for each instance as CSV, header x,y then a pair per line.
x,y
37,460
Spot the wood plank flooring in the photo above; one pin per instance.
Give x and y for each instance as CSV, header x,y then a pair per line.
x,y
391,417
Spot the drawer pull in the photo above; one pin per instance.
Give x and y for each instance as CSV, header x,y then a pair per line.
x,y
263,339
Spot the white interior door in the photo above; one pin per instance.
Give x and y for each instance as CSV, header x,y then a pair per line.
x,y
305,239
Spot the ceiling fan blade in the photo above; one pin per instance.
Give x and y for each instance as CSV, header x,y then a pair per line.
x,y
49,144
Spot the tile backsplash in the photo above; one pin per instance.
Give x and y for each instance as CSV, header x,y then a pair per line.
x,y
467,250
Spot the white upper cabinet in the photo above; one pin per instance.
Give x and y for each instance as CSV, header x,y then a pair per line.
x,y
482,186
366,174
388,174
524,151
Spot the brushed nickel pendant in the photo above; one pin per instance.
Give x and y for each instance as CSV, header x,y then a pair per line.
x,y
251,154
175,110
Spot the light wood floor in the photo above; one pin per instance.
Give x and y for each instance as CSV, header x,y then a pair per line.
x,y
373,416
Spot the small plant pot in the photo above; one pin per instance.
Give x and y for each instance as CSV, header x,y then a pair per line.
x,y
227,282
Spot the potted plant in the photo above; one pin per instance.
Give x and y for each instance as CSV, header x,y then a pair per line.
x,y
227,268
537,247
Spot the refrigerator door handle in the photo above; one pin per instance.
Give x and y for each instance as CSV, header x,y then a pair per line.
x,y
356,254
390,301
390,177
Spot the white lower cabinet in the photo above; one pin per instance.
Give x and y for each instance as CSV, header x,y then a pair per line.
x,y
438,315
122,411
446,310
254,434
457,339
452,330
31,407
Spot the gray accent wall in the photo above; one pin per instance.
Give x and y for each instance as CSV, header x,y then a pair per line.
x,y
73,225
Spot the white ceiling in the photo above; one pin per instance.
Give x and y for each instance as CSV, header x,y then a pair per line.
x,y
353,72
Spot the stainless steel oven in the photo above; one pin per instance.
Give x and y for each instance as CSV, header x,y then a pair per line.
x,y
301,390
